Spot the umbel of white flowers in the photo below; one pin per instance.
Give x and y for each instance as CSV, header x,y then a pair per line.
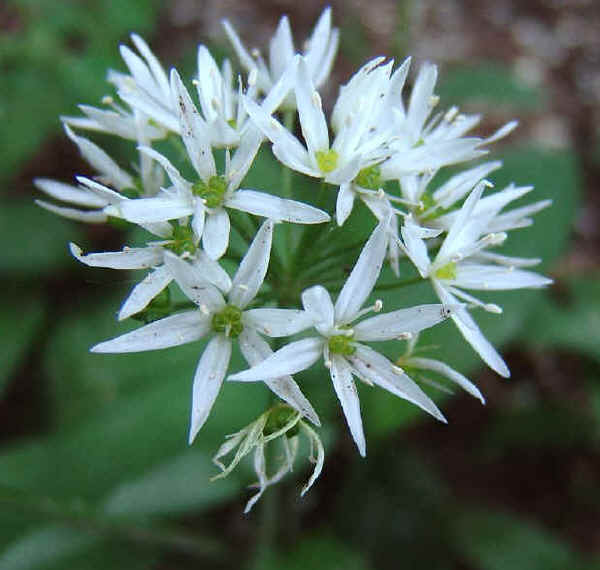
x,y
246,256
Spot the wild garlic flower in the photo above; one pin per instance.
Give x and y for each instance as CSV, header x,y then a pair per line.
x,y
182,242
319,52
339,340
280,424
225,320
208,199
458,265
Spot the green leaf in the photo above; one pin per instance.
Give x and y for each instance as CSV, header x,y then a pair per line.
x,y
495,541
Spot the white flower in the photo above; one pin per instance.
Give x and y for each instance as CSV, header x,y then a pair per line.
x,y
282,424
320,51
462,263
208,199
339,341
225,320
181,241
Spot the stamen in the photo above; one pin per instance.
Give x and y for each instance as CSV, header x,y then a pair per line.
x,y
404,336
107,100
204,310
252,77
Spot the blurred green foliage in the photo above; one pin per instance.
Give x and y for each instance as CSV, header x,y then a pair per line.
x,y
109,482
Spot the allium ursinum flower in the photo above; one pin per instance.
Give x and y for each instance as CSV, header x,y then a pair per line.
x,y
417,366
339,341
461,263
147,88
181,242
280,424
225,320
208,198
319,52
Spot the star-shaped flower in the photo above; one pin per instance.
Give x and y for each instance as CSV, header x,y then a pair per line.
x,y
339,341
225,320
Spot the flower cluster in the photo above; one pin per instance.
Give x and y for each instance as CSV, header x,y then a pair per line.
x,y
186,188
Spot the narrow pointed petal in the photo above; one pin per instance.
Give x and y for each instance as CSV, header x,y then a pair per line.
x,y
208,379
281,47
154,65
472,334
212,271
344,203
445,370
178,181
111,172
290,359
377,369
392,325
419,106
415,246
317,303
145,291
129,258
319,460
255,350
148,210
170,331
361,281
198,219
253,268
86,216
193,130
279,209
245,58
310,111
215,237
277,322
318,42
244,157
193,283
68,193
494,278
343,383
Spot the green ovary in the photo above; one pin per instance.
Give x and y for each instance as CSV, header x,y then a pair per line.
x,y
228,321
369,178
448,271
279,416
213,192
341,344
327,160
182,240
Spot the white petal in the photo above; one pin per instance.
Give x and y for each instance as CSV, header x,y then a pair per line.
x,y
129,258
148,210
419,106
155,67
100,161
212,271
110,196
494,278
317,303
379,370
361,281
243,55
170,331
391,325
87,216
145,291
415,246
315,442
469,329
255,350
243,158
193,283
321,73
341,375
199,219
253,268
193,130
68,193
278,322
448,372
281,47
276,208
208,379
215,237
290,359
179,181
344,203
312,118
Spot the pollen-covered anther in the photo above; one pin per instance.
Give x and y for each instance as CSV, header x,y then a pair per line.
x,y
493,308
397,370
434,100
381,193
195,82
451,114
252,77
255,53
107,100
204,310
316,99
378,306
405,336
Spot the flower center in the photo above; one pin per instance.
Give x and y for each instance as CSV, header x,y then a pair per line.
x,y
448,271
327,160
228,321
369,178
182,240
213,192
279,416
341,344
